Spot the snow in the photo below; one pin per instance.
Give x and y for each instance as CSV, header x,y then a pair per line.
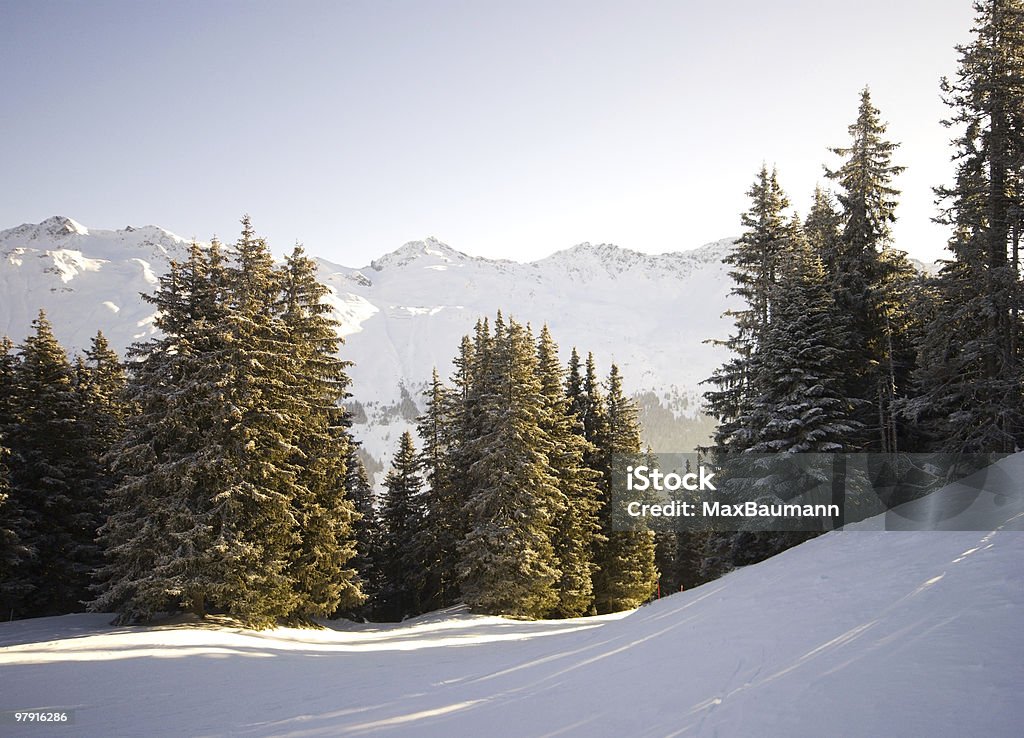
x,y
76,274
856,633
69,264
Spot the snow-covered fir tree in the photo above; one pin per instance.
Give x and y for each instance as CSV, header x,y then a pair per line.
x,y
578,501
163,535
862,281
100,382
508,563
321,566
52,481
232,467
14,554
755,261
798,404
970,377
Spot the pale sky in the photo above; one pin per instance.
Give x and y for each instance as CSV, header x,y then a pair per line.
x,y
505,129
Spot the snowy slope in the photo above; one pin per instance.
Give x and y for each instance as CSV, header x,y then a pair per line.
x,y
856,633
85,279
404,313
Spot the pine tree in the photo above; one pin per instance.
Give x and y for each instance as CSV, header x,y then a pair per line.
x,y
799,406
401,517
970,372
823,230
626,575
860,276
14,554
50,483
321,568
755,260
575,513
443,525
366,529
162,536
508,562
232,470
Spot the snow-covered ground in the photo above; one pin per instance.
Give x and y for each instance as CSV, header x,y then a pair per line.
x,y
856,633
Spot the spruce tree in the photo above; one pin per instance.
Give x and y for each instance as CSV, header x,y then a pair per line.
x,y
970,375
860,277
443,523
50,478
320,567
258,483
577,502
366,529
508,562
589,406
823,229
232,469
163,535
755,259
14,554
799,406
101,383
401,516
8,364
626,575
867,197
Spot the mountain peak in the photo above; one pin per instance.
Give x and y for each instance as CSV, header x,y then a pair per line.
x,y
60,225
429,250
54,227
600,250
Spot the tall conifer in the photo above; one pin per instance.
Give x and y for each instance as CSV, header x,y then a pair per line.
x,y
627,575
50,477
861,279
970,374
508,563
443,525
401,516
577,502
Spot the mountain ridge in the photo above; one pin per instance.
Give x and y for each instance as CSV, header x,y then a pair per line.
x,y
403,314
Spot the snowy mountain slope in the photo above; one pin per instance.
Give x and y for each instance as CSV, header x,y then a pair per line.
x,y
405,312
85,279
856,633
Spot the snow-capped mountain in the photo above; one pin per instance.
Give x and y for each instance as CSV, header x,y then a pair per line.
x,y
404,313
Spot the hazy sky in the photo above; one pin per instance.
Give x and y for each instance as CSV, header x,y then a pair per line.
x,y
506,129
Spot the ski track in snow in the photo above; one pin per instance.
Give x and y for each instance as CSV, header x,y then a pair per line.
x,y
855,633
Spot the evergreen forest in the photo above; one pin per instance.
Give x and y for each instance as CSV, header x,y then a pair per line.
x,y
213,470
